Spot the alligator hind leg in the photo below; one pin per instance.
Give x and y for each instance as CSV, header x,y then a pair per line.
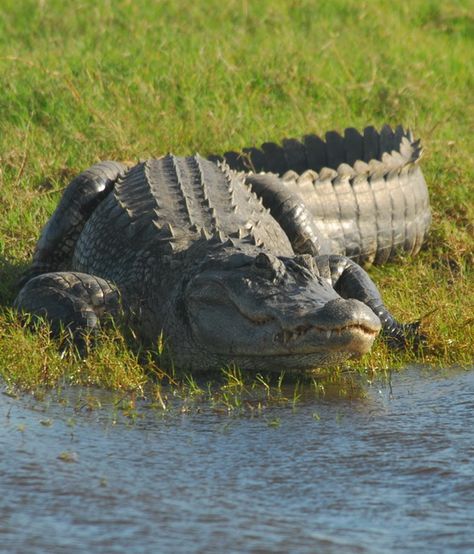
x,y
291,213
71,300
351,281
81,197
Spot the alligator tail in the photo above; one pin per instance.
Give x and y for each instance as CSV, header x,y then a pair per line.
x,y
365,191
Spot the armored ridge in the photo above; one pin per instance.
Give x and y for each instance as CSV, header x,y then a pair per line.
x,y
365,192
172,203
186,248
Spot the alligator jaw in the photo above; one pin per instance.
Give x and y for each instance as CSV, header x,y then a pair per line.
x,y
354,338
286,336
339,325
264,324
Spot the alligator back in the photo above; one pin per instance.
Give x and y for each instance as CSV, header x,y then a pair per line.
x,y
170,203
366,192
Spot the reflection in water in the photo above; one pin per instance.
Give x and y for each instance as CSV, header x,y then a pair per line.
x,y
391,470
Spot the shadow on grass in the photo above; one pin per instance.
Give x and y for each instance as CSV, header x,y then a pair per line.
x,y
10,275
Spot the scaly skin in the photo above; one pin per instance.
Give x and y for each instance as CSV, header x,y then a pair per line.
x,y
363,195
182,247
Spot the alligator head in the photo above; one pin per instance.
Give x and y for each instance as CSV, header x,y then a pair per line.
x,y
260,311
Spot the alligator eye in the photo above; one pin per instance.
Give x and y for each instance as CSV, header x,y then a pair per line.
x,y
268,266
263,261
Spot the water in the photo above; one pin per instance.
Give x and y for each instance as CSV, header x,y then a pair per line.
x,y
390,472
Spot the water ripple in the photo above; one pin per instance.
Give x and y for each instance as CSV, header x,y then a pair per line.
x,y
392,472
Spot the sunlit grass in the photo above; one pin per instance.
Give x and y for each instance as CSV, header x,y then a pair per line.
x,y
128,80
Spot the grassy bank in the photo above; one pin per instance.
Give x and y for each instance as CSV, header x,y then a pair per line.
x,y
128,80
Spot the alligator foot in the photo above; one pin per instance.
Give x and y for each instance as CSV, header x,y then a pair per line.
x,y
74,301
351,281
404,336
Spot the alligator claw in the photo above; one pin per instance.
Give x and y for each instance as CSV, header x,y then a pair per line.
x,y
405,336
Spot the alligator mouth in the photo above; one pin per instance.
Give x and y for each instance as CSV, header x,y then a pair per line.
x,y
344,332
286,336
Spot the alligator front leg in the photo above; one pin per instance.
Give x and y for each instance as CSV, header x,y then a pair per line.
x,y
81,197
351,281
72,300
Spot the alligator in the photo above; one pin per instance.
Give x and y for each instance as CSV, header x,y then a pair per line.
x,y
251,261
365,193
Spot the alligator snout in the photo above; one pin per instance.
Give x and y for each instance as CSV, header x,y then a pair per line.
x,y
340,323
341,312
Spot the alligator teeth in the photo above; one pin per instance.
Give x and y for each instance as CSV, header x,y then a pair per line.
x,y
286,335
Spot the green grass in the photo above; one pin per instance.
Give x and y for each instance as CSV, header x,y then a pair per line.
x,y
84,81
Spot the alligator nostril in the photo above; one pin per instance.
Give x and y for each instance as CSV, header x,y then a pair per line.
x,y
350,310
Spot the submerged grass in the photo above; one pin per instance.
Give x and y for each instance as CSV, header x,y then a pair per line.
x,y
128,80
